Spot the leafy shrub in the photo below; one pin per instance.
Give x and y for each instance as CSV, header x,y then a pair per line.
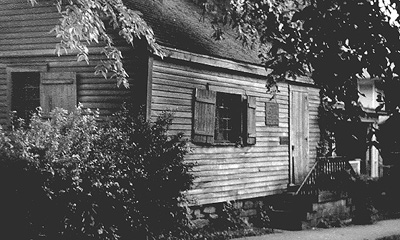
x,y
262,217
71,178
364,193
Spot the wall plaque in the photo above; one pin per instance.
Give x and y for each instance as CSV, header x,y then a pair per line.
x,y
284,140
272,114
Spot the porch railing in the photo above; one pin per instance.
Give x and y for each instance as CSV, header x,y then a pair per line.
x,y
327,174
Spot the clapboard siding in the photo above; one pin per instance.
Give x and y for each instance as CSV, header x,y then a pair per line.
x,y
230,173
93,91
225,173
314,133
26,29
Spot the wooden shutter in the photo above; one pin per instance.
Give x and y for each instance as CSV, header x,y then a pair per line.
x,y
204,116
251,121
58,89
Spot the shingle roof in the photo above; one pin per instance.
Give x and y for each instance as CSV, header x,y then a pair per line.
x,y
178,24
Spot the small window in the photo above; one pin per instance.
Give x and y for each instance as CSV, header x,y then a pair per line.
x,y
32,87
223,118
227,118
25,96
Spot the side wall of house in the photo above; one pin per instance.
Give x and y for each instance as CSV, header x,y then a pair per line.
x,y
228,172
26,42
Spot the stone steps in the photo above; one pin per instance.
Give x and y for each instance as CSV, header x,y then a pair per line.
x,y
292,212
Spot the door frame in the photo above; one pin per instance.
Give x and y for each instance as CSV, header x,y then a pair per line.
x,y
292,159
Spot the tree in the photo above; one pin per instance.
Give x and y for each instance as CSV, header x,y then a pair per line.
x,y
83,22
334,42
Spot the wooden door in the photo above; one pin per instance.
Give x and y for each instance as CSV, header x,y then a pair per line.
x,y
299,133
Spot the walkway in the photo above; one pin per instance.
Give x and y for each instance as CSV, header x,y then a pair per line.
x,y
355,232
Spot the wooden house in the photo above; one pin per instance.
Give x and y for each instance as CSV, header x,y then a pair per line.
x,y
245,144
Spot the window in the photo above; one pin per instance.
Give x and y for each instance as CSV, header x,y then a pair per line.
x,y
25,93
227,118
223,118
31,88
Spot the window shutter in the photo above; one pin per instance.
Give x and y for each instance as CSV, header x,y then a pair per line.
x,y
204,116
251,120
58,89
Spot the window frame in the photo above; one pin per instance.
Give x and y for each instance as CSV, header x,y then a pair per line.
x,y
10,69
200,137
239,122
42,69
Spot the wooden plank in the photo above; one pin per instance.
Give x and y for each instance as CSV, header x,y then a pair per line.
x,y
103,92
233,195
58,90
24,11
242,184
211,61
103,99
211,170
15,5
230,181
38,52
12,27
166,94
174,80
189,83
202,70
112,86
149,87
171,101
202,79
251,130
235,166
186,71
260,155
29,16
95,105
230,152
29,40
205,194
204,116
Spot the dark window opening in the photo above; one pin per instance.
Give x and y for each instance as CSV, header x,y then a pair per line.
x,y
25,96
227,118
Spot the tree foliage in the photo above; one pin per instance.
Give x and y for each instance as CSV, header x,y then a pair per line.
x,y
85,21
334,42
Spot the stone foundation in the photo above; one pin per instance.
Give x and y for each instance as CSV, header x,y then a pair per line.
x,y
201,215
300,215
324,214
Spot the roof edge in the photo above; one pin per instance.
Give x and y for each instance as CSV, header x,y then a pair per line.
x,y
215,61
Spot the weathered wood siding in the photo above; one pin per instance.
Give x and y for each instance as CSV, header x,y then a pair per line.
x,y
314,134
25,41
225,173
24,27
230,173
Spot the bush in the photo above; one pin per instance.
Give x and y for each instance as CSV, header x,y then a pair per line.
x,y
229,218
71,178
365,193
